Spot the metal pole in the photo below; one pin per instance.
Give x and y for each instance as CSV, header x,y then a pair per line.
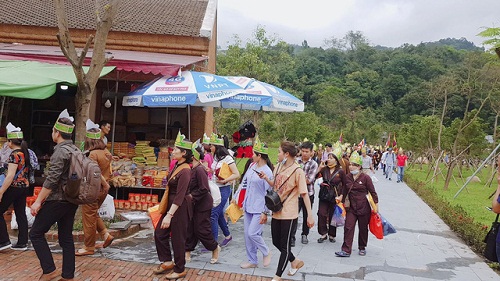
x,y
114,114
477,171
166,122
1,109
189,122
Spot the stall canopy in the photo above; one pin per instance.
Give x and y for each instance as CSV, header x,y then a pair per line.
x,y
35,80
129,61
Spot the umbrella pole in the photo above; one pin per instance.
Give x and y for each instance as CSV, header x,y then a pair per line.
x,y
1,110
114,115
166,123
189,122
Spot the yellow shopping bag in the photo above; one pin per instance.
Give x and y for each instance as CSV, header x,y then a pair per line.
x,y
234,212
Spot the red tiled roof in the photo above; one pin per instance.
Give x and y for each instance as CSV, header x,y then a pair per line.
x,y
169,17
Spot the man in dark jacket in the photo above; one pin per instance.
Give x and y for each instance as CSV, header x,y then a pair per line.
x,y
56,208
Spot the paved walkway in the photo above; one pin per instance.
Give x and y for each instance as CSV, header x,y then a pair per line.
x,y
424,248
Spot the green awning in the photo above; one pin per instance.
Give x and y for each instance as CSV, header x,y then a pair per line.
x,y
35,80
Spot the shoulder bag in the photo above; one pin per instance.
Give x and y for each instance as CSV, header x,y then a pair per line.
x,y
273,200
490,251
325,192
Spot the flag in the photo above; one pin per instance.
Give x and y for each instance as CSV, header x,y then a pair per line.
x,y
340,138
361,143
394,143
388,143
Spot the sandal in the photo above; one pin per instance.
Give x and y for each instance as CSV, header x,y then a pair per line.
x,y
322,239
175,275
215,255
164,267
342,254
84,252
292,270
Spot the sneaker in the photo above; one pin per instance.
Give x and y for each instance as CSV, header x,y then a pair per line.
x,y
20,247
362,252
304,239
292,242
5,245
226,241
246,265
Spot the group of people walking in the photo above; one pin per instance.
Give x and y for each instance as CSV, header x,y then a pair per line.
x,y
188,212
51,205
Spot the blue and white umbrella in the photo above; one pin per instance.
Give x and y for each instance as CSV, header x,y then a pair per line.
x,y
259,95
190,88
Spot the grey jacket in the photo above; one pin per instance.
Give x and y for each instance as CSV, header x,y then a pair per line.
x,y
58,171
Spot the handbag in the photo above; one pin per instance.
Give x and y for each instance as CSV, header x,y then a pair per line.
x,y
347,202
273,200
490,251
215,192
376,227
325,192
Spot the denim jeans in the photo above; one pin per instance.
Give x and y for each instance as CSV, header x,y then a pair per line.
x,y
401,173
217,216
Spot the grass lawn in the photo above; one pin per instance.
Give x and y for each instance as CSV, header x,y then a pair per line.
x,y
473,199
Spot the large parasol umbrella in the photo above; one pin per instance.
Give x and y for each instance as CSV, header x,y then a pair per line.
x,y
258,95
189,88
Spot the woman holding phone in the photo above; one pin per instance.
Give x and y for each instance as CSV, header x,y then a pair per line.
x,y
254,205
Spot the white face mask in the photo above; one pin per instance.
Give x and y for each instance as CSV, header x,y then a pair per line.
x,y
354,172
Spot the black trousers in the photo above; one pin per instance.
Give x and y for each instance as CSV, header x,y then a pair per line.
x,y
281,232
200,229
325,213
62,212
178,233
305,228
17,197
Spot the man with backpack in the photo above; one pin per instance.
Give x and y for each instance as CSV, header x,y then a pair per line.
x,y
56,208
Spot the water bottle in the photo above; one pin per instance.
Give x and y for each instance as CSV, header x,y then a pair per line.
x,y
164,182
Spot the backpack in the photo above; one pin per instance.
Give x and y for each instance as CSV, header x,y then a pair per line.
x,y
84,178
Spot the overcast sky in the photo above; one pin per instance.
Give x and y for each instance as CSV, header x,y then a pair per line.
x,y
384,22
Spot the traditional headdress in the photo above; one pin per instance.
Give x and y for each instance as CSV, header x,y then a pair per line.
x,y
206,139
195,145
181,141
259,146
89,125
13,132
64,128
356,159
337,150
215,140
